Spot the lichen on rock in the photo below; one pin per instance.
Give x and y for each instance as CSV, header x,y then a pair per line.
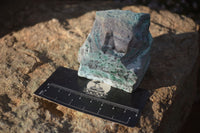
x,y
116,51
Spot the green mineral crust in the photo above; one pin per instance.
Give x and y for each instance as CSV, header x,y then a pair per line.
x,y
116,51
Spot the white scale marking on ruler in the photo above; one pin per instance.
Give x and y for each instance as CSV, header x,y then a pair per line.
x,y
41,92
99,110
91,100
124,111
128,119
102,100
125,122
71,101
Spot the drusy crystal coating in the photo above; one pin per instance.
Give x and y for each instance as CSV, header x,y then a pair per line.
x,y
117,51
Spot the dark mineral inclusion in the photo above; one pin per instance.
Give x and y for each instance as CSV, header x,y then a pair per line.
x,y
117,51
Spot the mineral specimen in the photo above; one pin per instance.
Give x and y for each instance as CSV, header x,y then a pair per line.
x,y
117,51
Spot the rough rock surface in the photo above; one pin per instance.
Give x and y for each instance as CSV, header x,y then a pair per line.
x,y
117,50
30,55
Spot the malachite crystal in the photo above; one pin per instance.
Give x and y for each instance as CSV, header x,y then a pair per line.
x,y
117,51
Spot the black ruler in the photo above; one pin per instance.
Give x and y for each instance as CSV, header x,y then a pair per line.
x,y
66,88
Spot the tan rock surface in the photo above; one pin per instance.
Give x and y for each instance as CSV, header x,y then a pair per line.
x,y
30,55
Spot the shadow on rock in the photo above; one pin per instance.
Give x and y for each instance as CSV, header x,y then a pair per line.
x,y
5,100
174,63
51,111
16,15
172,56
51,107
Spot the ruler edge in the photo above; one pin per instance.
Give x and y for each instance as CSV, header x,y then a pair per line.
x,y
129,125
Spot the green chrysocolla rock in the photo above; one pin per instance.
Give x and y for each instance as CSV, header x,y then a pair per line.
x,y
116,51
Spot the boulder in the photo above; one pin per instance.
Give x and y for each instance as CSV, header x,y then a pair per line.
x,y
29,56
